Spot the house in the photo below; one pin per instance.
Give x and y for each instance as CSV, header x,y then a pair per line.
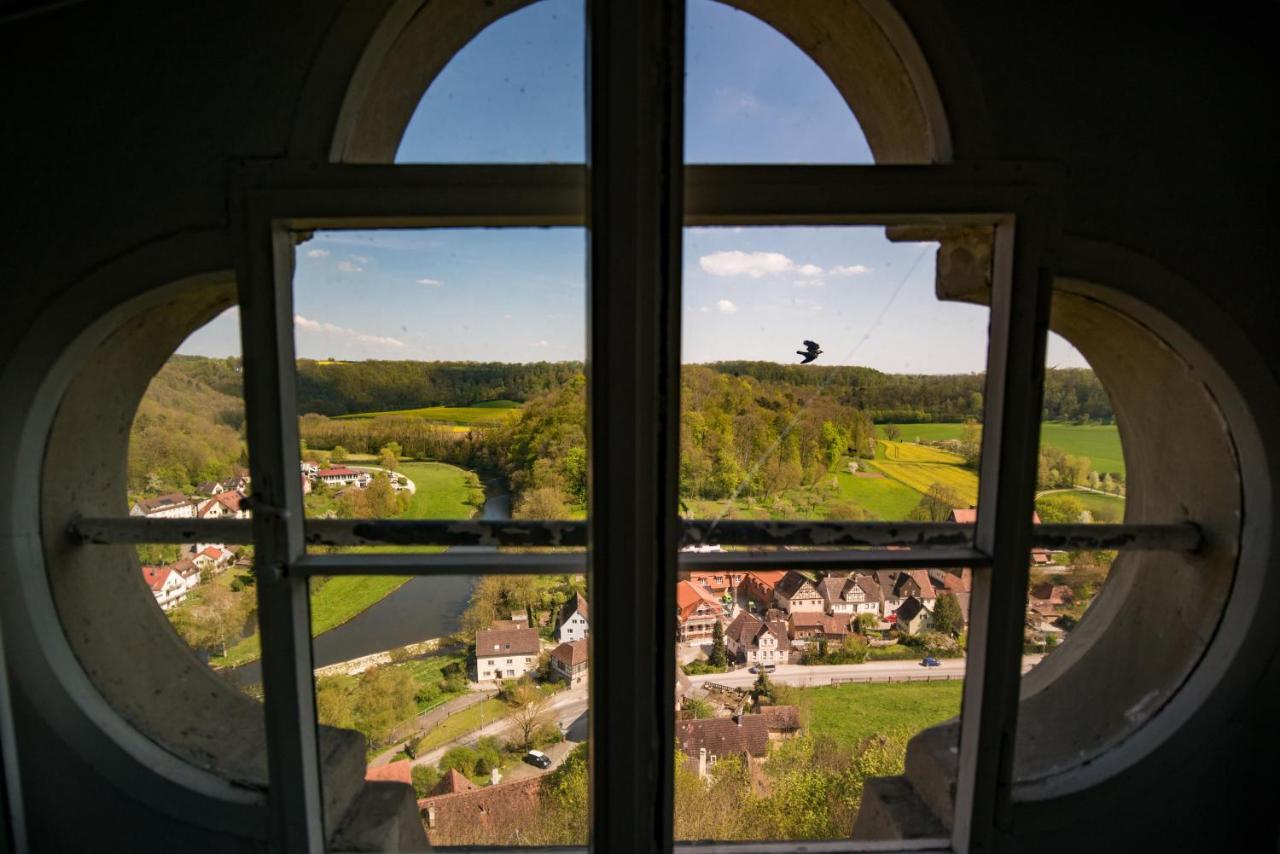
x,y
1051,596
168,587
758,584
498,814
173,505
795,593
211,487
755,641
807,625
851,595
572,624
897,585
697,612
309,468
911,616
339,476
569,662
453,782
506,653
704,742
781,721
228,504
719,581
400,771
212,558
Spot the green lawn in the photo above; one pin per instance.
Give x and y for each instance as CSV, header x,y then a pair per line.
x,y
1096,503
1099,442
886,498
456,726
443,491
852,713
488,413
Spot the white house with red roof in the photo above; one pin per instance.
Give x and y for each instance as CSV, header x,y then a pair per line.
x,y
167,586
342,476
227,504
697,612
213,558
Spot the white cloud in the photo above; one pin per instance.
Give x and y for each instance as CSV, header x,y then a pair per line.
x,y
542,343
852,270
322,328
809,270
726,307
809,283
435,283
738,263
705,308
345,266
317,253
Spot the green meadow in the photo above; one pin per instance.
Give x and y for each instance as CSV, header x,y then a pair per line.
x,y
1099,442
487,414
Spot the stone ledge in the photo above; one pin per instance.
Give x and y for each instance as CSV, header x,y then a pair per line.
x,y
892,810
384,817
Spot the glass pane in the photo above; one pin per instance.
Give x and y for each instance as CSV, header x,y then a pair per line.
x,y
752,96
514,94
440,375
473,691
188,460
802,685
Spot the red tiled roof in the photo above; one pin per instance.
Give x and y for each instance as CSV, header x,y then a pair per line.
x,y
576,605
767,578
400,771
506,642
492,815
724,736
338,472
156,576
571,653
689,596
213,552
453,783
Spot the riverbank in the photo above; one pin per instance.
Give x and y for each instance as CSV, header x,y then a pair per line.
x,y
443,492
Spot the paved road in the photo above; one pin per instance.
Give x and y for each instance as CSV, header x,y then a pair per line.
x,y
872,671
567,707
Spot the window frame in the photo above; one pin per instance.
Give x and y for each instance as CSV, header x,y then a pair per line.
x,y
638,201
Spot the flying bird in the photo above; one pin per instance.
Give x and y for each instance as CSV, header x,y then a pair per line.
x,y
810,352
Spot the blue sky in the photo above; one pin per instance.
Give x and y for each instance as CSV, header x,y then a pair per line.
x,y
515,94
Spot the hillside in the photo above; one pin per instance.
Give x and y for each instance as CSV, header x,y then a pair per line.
x,y
188,427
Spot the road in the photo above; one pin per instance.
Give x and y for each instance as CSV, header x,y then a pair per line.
x,y
568,707
872,671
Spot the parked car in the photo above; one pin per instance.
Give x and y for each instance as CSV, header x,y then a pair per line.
x,y
538,759
764,668
930,661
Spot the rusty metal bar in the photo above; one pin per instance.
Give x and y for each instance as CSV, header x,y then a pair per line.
x,y
837,559
1184,536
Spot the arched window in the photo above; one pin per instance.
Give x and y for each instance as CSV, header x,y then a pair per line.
x,y
996,225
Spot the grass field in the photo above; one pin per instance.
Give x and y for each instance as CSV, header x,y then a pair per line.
x,y
885,497
443,491
1103,507
489,413
1099,442
456,726
919,467
853,713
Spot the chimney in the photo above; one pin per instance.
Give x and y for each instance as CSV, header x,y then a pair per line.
x,y
495,777
431,816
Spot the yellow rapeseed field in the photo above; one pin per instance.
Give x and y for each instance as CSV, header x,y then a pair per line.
x,y
920,467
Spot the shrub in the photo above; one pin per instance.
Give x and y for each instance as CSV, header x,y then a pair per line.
x,y
698,666
425,779
461,759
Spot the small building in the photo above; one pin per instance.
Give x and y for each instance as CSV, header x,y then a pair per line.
x,y
781,721
479,816
168,587
897,585
758,585
697,612
572,624
453,782
795,593
173,505
704,742
506,653
911,616
211,487
850,595
569,662
339,476
213,558
755,641
808,626
718,581
227,504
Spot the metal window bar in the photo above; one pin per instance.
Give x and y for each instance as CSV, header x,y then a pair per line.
x,y
490,534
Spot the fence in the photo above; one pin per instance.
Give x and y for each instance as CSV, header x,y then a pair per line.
x,y
416,727
926,677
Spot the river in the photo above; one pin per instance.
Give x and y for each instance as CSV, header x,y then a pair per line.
x,y
423,607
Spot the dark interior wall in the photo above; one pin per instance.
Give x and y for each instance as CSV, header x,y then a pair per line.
x,y
119,121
